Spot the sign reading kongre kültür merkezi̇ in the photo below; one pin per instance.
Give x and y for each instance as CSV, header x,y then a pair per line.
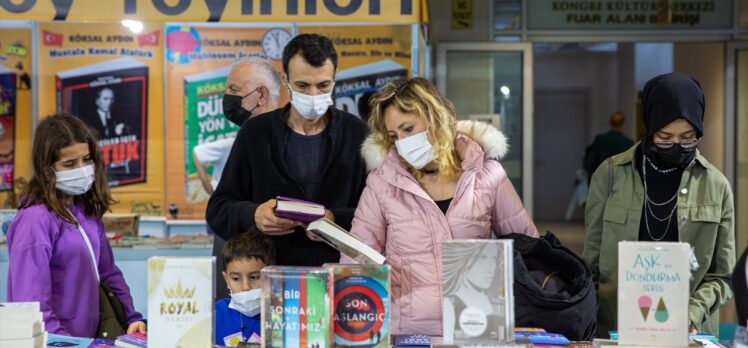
x,y
629,14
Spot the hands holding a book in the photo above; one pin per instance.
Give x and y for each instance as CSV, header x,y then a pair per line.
x,y
137,326
328,215
270,224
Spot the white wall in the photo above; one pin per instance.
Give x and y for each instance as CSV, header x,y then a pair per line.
x,y
706,63
595,71
652,59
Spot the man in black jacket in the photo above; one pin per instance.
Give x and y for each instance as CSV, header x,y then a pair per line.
x,y
307,150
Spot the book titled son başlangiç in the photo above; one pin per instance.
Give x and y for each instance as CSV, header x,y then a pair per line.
x,y
298,209
346,243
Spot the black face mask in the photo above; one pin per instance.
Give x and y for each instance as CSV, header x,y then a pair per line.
x,y
675,156
233,110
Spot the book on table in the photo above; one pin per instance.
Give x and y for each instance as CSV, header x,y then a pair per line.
x,y
653,293
361,305
133,340
297,307
21,325
298,209
346,243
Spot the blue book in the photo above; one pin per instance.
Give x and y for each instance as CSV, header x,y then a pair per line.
x,y
412,341
67,341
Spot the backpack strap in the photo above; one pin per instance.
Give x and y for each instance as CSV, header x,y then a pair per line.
x,y
610,175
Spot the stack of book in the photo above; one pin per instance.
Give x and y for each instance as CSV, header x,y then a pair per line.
x,y
21,325
133,340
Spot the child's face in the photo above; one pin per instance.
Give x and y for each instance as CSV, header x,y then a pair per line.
x,y
73,156
243,274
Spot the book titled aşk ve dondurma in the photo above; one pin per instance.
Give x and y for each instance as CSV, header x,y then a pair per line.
x,y
653,294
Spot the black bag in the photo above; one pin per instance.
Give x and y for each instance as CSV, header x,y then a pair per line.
x,y
112,321
553,288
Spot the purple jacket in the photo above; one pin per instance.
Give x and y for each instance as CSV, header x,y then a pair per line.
x,y
50,264
396,217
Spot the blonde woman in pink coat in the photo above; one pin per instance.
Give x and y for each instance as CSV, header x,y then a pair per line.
x,y
431,179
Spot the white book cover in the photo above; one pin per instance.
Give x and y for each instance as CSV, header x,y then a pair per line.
x,y
477,292
653,292
110,65
180,301
346,243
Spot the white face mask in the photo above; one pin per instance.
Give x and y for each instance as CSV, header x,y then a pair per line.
x,y
311,107
75,181
416,149
246,302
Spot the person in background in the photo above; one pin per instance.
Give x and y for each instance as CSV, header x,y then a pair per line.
x,y
238,317
663,189
57,245
253,88
607,144
306,150
431,179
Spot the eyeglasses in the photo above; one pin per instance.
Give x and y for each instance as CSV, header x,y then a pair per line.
x,y
688,144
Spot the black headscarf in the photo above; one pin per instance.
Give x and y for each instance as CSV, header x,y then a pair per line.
x,y
669,97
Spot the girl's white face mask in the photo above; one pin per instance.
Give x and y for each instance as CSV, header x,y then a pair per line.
x,y
246,302
76,181
416,149
311,107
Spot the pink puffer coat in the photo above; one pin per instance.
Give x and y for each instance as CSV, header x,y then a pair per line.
x,y
396,217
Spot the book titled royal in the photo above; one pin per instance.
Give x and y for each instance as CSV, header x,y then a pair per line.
x,y
298,209
112,98
362,305
346,243
180,301
653,293
297,307
478,300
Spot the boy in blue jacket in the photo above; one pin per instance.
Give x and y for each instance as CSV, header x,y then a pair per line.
x,y
238,316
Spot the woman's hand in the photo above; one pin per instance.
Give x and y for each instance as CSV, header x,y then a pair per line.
x,y
137,326
691,328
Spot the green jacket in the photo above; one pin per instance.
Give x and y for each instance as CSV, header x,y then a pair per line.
x,y
705,220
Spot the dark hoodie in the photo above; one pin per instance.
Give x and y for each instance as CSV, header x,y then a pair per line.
x,y
666,98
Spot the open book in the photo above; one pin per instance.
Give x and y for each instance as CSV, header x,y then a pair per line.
x,y
298,209
346,243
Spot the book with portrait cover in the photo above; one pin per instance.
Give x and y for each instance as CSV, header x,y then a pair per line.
x,y
7,126
478,299
354,86
180,301
297,307
653,293
204,122
112,98
362,305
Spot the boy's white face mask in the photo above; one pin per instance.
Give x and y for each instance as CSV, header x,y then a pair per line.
x,y
76,181
246,302
416,149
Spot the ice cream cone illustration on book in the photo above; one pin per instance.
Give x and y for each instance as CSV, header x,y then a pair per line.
x,y
645,303
661,314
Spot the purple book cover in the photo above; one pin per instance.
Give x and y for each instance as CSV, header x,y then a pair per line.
x,y
297,215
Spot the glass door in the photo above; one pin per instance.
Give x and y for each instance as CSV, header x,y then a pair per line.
x,y
492,82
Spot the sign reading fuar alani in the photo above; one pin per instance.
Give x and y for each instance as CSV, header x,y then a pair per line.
x,y
629,14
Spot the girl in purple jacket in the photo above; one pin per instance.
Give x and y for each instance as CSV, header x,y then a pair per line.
x,y
52,261
431,179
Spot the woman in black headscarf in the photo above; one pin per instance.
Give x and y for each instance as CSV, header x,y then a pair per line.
x,y
663,189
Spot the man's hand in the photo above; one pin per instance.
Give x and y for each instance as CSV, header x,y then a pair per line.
x,y
137,326
269,224
329,216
